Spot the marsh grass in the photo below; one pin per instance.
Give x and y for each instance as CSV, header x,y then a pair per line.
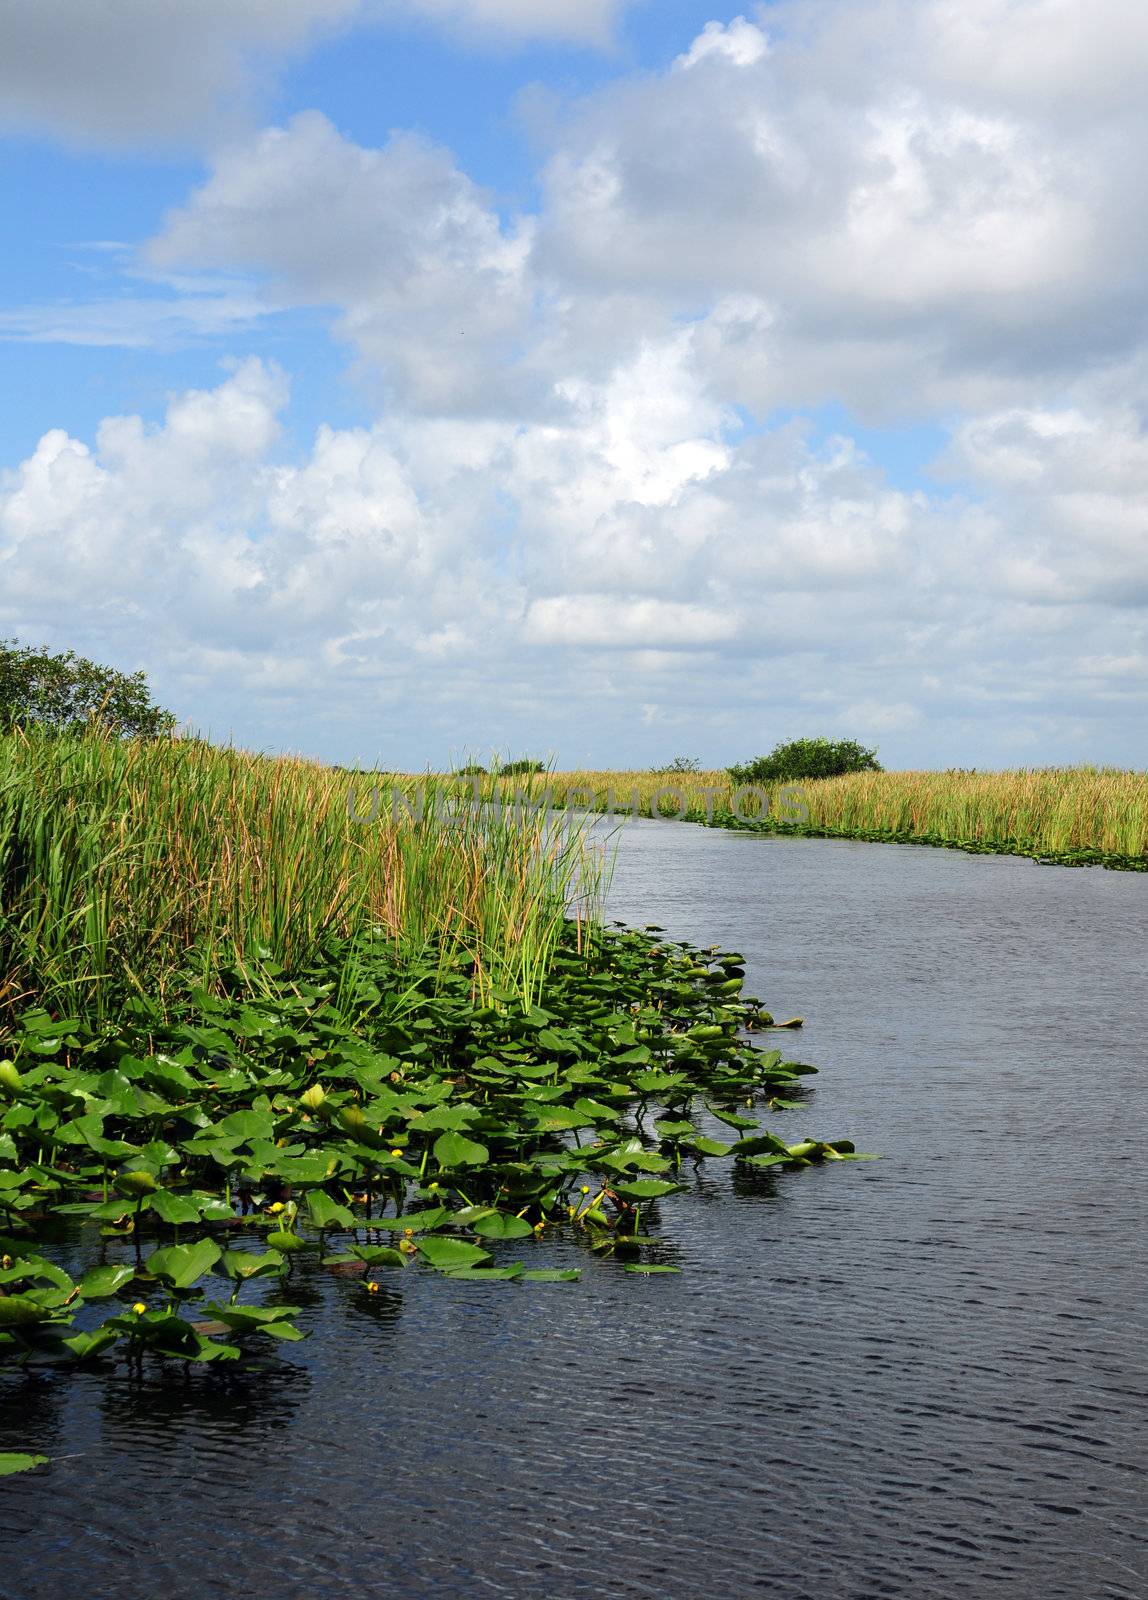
x,y
1052,811
1044,812
125,862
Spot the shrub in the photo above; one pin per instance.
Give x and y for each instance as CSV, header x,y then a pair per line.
x,y
519,767
680,764
807,758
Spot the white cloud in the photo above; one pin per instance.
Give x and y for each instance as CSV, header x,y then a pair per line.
x,y
1059,54
121,528
425,279
877,717
1113,667
146,322
903,237
739,42
1068,58
894,217
613,623
131,71
425,566
1066,501
563,514
135,69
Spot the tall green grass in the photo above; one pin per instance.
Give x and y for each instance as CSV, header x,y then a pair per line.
x,y
124,863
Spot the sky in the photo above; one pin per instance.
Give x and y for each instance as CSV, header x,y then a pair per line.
x,y
601,380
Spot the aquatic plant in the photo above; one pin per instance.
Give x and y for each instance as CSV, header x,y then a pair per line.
x,y
19,1461
379,1106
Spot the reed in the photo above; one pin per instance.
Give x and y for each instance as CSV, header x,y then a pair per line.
x,y
1051,811
124,863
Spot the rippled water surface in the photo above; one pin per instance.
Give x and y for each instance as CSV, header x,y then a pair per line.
x,y
921,1377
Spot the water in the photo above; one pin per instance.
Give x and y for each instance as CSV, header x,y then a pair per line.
x,y
919,1377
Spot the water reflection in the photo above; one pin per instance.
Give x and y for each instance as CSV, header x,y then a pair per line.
x,y
226,1409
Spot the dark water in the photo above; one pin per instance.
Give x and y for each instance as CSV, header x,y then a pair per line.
x,y
920,1377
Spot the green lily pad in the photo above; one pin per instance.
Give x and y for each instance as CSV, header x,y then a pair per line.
x,y
182,1264
501,1225
173,1209
645,1189
487,1274
100,1283
455,1150
448,1254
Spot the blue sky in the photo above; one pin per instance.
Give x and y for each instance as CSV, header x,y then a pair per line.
x,y
69,196
607,380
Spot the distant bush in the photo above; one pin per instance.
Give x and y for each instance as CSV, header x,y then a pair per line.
x,y
520,766
679,765
500,769
807,758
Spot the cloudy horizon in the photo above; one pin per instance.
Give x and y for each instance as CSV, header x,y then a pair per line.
x,y
594,379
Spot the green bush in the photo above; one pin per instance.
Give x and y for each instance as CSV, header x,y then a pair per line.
x,y
807,758
66,692
678,766
519,767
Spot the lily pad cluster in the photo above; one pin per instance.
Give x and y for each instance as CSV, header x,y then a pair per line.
x,y
369,1111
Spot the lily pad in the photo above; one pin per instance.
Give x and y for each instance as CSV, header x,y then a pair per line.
x,y
500,1225
449,1254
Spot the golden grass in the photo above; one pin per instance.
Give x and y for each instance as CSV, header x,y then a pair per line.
x,y
1042,811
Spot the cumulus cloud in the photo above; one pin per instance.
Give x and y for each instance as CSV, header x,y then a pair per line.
x,y
1077,484
425,278
588,490
739,42
850,210
126,71
401,540
122,527
1060,56
888,215
136,69
415,564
